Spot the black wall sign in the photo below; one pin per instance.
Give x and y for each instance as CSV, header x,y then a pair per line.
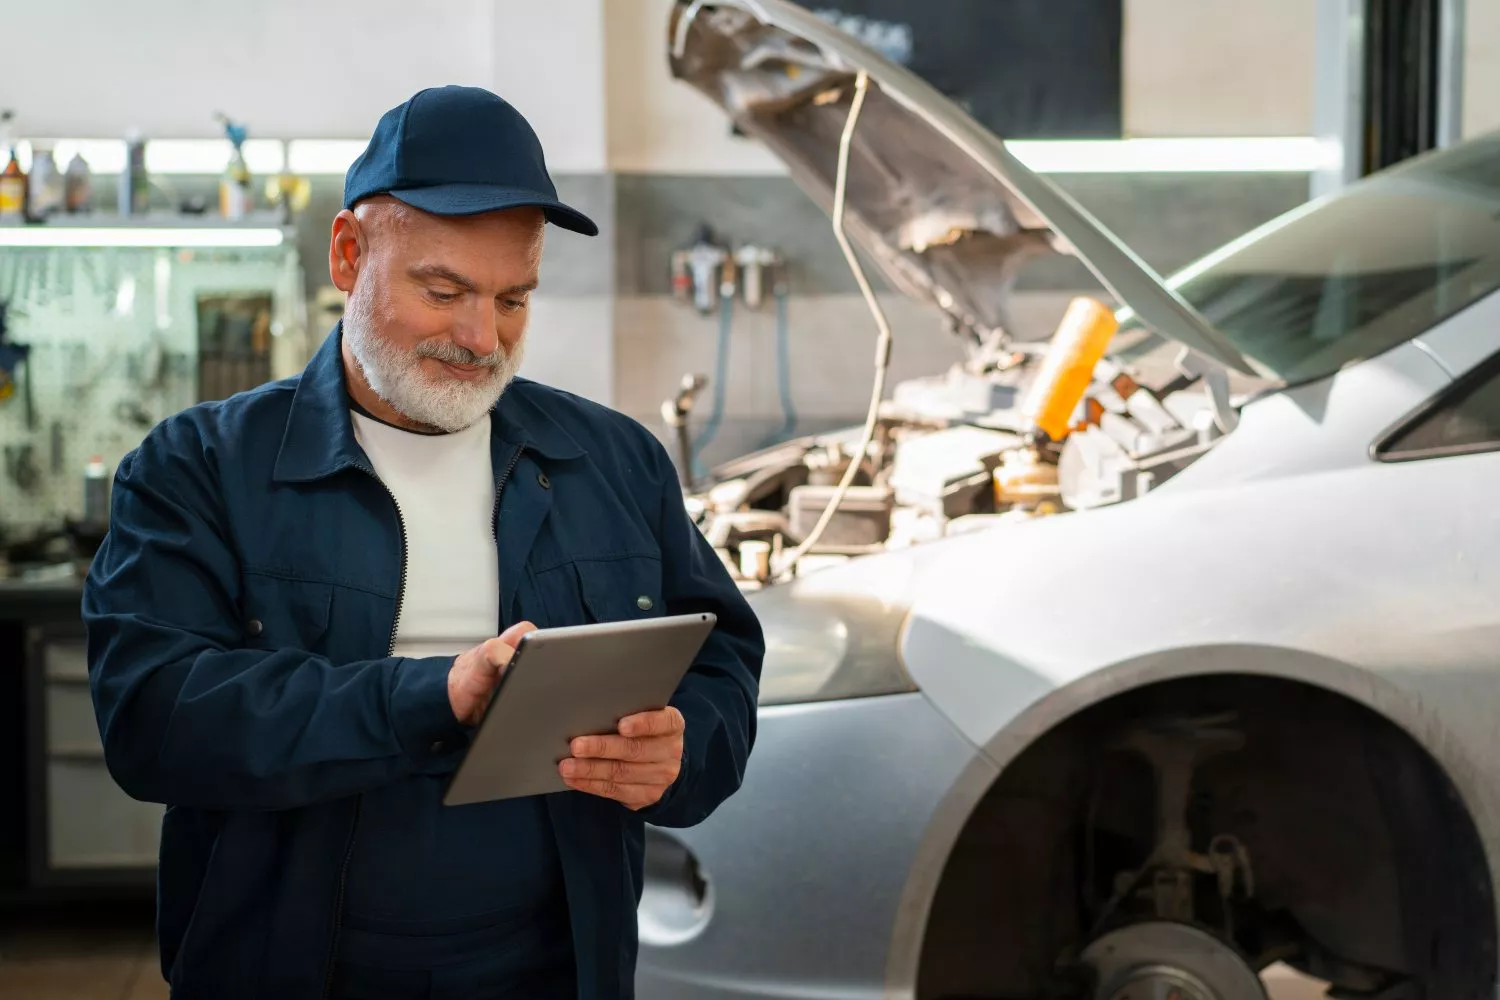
x,y
1027,69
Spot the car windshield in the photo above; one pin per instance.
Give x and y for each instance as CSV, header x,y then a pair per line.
x,y
1346,278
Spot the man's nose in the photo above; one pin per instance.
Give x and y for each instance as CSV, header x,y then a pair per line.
x,y
475,330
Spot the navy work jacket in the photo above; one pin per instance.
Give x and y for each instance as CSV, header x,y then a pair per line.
x,y
240,619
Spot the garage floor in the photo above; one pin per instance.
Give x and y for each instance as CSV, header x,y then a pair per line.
x,y
111,955
99,954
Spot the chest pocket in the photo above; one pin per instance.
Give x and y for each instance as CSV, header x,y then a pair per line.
x,y
277,613
605,590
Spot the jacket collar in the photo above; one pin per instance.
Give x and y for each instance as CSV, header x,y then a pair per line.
x,y
319,437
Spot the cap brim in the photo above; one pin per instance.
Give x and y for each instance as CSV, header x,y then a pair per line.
x,y
472,199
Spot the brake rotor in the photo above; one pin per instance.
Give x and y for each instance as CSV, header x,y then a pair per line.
x,y
1166,961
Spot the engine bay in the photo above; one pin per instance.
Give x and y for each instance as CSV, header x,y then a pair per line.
x,y
958,452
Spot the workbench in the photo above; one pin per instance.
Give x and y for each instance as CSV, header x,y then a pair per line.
x,y
76,835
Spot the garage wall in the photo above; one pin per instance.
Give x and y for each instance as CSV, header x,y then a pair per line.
x,y
1219,67
1482,67
296,69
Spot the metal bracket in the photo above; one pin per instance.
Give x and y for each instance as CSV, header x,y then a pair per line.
x,y
1216,379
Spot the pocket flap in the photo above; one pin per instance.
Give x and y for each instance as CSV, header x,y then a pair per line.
x,y
621,589
279,613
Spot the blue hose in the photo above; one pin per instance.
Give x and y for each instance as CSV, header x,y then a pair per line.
x,y
721,378
788,427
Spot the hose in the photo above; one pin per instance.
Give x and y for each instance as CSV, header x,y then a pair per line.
x,y
788,427
721,377
882,345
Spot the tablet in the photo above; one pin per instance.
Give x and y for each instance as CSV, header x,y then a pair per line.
x,y
563,683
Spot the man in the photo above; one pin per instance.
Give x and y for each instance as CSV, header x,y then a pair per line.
x,y
309,591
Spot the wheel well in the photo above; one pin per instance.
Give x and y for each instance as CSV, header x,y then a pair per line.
x,y
1367,869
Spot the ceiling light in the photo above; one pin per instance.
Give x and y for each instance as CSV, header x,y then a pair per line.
x,y
131,236
1268,154
323,156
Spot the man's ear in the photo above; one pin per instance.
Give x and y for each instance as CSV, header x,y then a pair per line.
x,y
346,251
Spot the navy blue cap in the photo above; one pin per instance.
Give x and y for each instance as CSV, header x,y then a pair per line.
x,y
459,151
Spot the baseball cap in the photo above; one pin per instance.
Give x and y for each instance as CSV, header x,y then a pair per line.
x,y
459,151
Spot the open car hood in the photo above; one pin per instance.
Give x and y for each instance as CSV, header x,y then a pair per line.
x,y
933,198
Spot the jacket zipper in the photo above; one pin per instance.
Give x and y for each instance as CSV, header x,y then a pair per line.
x,y
499,487
338,899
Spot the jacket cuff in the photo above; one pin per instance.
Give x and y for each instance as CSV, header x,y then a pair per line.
x,y
429,733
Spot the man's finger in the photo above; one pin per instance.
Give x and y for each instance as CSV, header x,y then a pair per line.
x,y
621,772
633,796
513,635
667,722
627,748
499,650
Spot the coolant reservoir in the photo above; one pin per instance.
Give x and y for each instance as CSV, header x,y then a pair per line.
x,y
1068,368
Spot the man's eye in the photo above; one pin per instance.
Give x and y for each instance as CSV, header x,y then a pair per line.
x,y
512,305
443,297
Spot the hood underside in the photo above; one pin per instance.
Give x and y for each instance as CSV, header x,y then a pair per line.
x,y
932,198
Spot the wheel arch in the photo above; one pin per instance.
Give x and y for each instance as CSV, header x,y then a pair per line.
x,y
1378,694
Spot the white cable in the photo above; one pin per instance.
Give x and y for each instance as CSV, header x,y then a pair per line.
x,y
882,346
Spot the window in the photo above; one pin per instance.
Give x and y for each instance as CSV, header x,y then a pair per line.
x,y
1339,281
1464,420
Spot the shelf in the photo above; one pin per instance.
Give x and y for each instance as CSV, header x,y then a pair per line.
x,y
156,230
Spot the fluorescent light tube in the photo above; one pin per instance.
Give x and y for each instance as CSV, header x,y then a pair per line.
x,y
1268,154
131,236
323,156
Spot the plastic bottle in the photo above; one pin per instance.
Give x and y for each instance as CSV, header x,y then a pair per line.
x,y
96,492
12,178
78,185
45,187
13,191
1077,346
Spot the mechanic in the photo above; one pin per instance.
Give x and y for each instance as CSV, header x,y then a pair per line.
x,y
308,593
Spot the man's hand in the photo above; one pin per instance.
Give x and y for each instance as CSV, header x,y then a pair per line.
x,y
474,674
634,768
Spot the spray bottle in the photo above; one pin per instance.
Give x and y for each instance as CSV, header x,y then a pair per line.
x,y
234,186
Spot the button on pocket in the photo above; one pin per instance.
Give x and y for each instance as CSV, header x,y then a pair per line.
x,y
285,614
541,478
620,589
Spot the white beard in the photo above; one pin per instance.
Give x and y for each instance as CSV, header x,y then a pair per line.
x,y
396,375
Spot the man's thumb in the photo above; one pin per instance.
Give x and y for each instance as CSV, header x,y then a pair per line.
x,y
512,636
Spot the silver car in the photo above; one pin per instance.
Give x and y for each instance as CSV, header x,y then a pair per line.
x,y
1208,685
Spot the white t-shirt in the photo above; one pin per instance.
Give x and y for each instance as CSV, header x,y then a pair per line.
x,y
446,492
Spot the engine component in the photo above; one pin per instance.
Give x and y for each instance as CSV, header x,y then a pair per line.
x,y
745,523
1167,961
755,560
1026,482
942,473
1068,367
991,398
861,522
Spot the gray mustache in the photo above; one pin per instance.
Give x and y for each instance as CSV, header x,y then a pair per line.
x,y
453,354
